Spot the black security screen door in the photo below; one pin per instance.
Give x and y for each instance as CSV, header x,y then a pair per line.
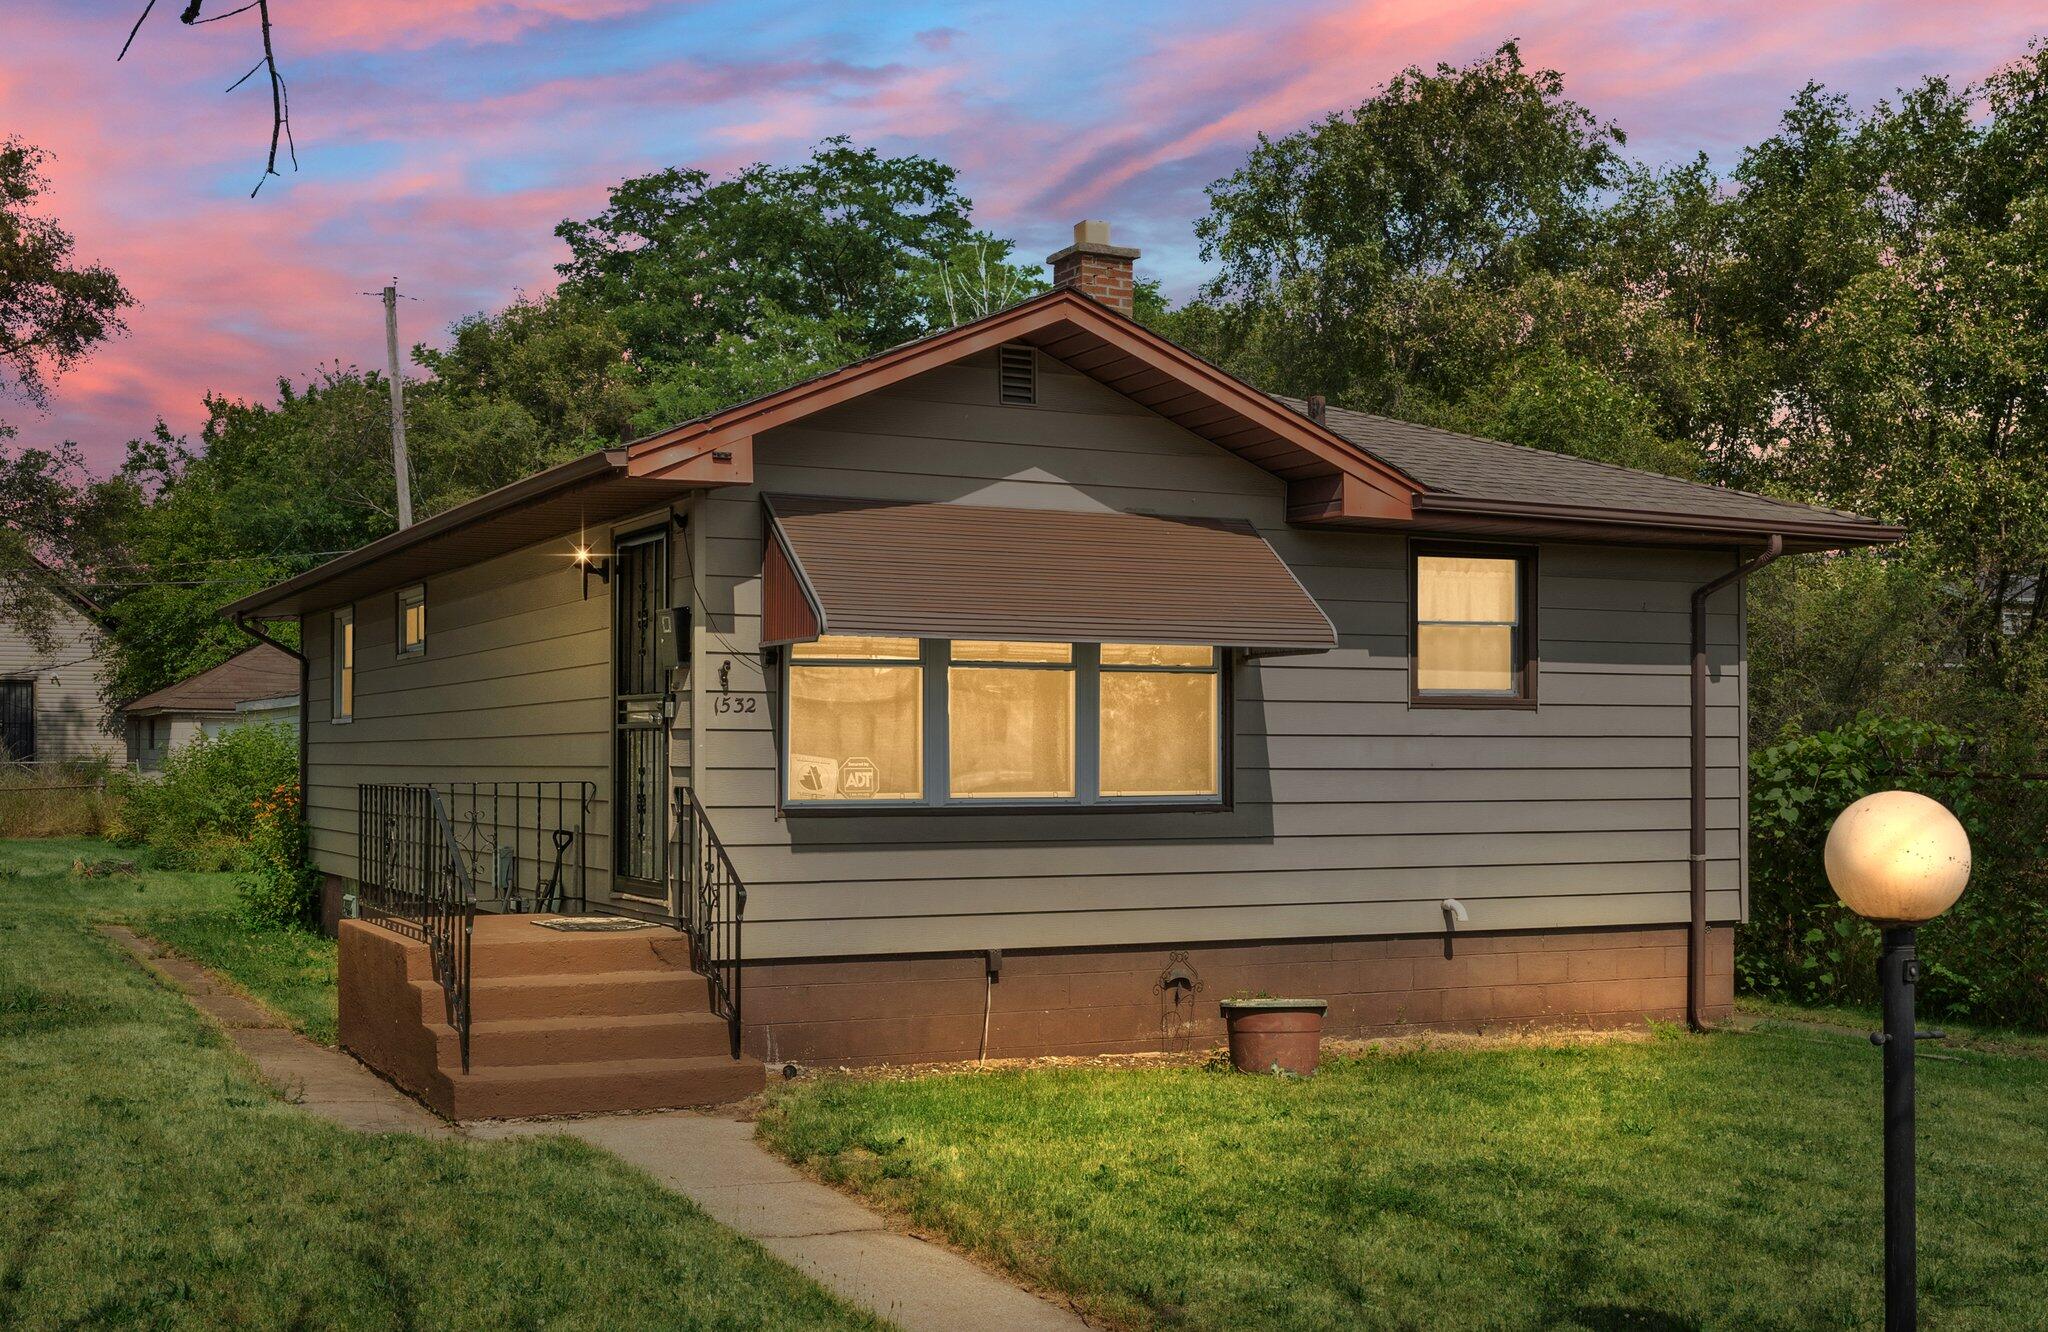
x,y
17,721
639,819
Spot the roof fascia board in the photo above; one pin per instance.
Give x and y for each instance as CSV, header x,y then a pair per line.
x,y
1793,524
576,472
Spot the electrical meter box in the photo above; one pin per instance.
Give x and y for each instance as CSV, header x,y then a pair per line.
x,y
671,637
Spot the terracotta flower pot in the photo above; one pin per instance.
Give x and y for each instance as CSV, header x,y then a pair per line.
x,y
1275,1035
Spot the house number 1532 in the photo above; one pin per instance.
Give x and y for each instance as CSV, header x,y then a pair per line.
x,y
729,703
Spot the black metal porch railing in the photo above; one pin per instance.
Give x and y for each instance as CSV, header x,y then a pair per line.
x,y
526,842
714,907
415,879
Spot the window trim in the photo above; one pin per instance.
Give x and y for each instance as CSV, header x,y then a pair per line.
x,y
1527,660
403,648
345,615
935,657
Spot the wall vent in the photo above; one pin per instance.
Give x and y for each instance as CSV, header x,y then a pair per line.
x,y
1017,376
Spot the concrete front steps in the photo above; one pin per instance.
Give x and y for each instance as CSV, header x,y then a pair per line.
x,y
560,1023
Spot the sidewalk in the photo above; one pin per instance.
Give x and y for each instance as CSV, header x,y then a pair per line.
x,y
822,1233
318,1080
712,1161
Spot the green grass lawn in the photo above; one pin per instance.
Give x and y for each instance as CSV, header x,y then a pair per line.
x,y
151,1180
1730,1181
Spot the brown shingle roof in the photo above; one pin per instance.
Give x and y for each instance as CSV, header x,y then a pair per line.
x,y
1448,463
258,672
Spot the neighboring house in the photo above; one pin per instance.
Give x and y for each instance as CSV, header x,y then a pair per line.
x,y
51,705
256,686
1041,685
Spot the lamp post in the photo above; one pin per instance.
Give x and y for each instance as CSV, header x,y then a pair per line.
x,y
1898,859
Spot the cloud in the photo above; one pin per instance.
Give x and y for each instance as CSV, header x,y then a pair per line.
x,y
442,141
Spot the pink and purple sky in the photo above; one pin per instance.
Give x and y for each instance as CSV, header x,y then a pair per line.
x,y
441,140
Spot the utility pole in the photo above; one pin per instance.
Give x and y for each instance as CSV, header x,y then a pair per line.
x,y
399,466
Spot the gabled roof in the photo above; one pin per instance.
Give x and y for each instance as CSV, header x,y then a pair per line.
x,y
254,673
1349,469
60,583
1324,472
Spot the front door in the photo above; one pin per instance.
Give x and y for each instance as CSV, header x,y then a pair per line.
x,y
641,687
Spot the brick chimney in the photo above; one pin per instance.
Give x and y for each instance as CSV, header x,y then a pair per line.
x,y
1094,267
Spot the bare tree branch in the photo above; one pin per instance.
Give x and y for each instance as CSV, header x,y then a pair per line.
x,y
280,96
132,31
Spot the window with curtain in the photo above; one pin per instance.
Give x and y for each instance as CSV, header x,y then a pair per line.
x,y
1471,625
975,723
412,621
1010,721
344,664
856,720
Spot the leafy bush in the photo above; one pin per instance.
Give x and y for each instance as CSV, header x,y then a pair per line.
x,y
1986,959
200,812
56,799
279,888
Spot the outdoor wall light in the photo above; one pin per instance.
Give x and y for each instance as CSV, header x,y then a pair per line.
x,y
590,562
1896,859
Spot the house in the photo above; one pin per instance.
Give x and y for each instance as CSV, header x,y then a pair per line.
x,y
257,686
51,709
1024,689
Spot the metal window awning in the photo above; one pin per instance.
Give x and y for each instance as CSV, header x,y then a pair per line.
x,y
851,566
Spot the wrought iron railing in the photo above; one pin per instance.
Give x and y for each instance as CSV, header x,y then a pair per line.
x,y
526,842
414,878
714,907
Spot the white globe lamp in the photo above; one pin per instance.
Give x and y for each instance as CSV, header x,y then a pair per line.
x,y
1898,859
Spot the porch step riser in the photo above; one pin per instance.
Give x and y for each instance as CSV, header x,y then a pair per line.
x,y
608,994
562,1023
598,1088
700,1036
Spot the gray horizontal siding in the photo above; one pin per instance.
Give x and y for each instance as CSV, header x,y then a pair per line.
x,y
514,686
1354,813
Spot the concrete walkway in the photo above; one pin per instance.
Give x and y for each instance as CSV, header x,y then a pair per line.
x,y
713,1161
824,1234
318,1080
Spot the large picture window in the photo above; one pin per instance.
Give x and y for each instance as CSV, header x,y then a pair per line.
x,y
976,723
1472,625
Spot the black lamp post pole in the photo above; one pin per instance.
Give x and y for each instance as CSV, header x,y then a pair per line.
x,y
1898,971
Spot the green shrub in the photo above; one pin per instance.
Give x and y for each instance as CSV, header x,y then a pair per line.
x,y
1986,959
200,812
56,799
278,889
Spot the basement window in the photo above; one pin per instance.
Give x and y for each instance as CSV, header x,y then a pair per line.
x,y
1017,376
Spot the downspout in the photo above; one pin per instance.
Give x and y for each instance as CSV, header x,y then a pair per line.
x,y
1696,859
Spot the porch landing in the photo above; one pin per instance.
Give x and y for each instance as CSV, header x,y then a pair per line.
x,y
561,1023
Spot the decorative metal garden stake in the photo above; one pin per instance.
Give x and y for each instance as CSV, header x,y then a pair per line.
x,y
1897,859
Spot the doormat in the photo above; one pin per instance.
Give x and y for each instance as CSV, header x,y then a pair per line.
x,y
594,924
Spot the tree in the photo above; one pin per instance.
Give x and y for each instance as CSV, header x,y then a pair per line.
x,y
53,312
1432,254
684,260
1479,176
